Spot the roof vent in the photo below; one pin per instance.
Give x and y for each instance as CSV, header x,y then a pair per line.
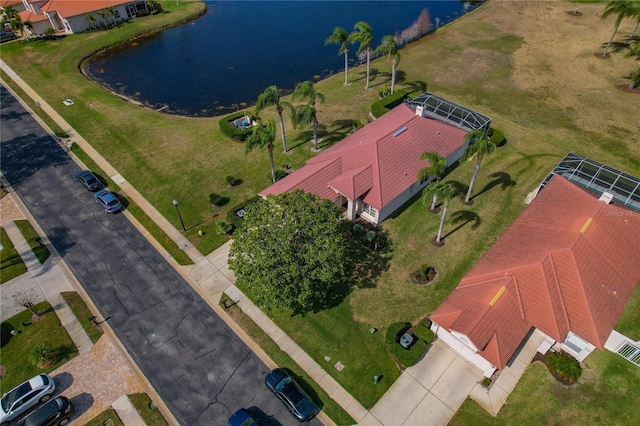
x,y
400,131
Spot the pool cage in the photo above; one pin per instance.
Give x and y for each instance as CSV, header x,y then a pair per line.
x,y
449,112
598,178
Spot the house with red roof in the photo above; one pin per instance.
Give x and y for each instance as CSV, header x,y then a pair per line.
x,y
70,16
567,266
372,172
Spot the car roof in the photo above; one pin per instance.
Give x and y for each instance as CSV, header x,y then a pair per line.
x,y
106,195
46,410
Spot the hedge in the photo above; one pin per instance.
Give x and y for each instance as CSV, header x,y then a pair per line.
x,y
227,127
424,333
384,105
406,357
236,221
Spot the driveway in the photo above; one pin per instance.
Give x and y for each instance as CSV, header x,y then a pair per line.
x,y
428,393
196,363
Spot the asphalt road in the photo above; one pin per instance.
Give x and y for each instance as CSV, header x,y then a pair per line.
x,y
200,368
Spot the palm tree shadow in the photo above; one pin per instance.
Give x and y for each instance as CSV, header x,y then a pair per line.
x,y
416,86
459,189
462,217
499,178
401,76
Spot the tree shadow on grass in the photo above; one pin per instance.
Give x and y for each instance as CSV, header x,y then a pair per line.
x,y
498,178
462,218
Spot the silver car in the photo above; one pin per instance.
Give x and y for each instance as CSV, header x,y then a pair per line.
x,y
19,399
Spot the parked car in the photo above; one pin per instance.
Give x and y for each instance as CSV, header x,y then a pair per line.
x,y
56,412
89,180
291,394
242,418
19,399
107,200
7,35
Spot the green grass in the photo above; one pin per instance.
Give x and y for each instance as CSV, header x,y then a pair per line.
x,y
11,264
148,412
16,349
630,318
82,313
106,415
35,242
600,397
328,405
167,243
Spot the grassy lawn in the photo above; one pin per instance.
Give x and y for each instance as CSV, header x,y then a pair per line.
x,y
528,65
601,397
82,313
102,418
148,412
11,264
29,233
16,349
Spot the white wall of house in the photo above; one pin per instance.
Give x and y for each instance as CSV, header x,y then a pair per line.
x,y
464,349
40,27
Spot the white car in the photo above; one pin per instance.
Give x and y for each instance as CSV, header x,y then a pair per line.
x,y
19,399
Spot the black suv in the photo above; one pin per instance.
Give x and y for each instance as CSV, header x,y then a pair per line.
x,y
55,412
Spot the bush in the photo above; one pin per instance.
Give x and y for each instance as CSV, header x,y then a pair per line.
x,y
423,333
564,366
280,174
41,354
227,127
381,107
497,137
358,230
215,199
406,357
384,92
222,227
236,220
231,181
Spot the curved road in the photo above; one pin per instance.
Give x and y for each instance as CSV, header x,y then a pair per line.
x,y
200,368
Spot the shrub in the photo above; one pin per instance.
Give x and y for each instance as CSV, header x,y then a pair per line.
x,y
497,137
41,355
215,199
231,181
280,174
406,357
423,333
227,127
236,220
564,366
358,230
383,106
222,227
384,91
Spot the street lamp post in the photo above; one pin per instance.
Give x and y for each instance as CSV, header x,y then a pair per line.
x,y
175,203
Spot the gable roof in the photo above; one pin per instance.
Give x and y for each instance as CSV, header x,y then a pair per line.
x,y
377,162
568,263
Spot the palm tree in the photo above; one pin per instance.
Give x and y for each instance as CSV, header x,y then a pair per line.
x,y
437,166
90,19
622,9
364,36
103,14
263,136
479,144
389,47
271,96
29,26
307,114
111,11
343,39
444,192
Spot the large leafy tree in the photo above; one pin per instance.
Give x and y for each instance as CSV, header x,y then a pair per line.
x,y
290,252
271,97
341,38
263,135
479,145
389,48
307,114
364,36
620,9
445,193
437,166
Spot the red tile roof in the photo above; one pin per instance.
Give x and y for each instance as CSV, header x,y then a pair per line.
x,y
69,8
568,263
373,161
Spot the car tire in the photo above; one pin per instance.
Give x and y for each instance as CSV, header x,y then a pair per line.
x,y
64,421
45,398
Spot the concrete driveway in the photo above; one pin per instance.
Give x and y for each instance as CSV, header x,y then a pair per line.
x,y
428,393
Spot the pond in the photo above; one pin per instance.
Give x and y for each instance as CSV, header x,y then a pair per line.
x,y
222,61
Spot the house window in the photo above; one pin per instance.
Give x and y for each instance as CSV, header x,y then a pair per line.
x,y
117,15
575,343
366,208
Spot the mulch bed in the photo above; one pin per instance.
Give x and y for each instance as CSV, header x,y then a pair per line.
x,y
574,13
415,278
543,358
625,88
437,244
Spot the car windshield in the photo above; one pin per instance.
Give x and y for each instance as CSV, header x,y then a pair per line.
x,y
90,179
14,395
282,383
112,203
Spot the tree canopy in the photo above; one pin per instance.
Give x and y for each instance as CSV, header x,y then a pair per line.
x,y
291,252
